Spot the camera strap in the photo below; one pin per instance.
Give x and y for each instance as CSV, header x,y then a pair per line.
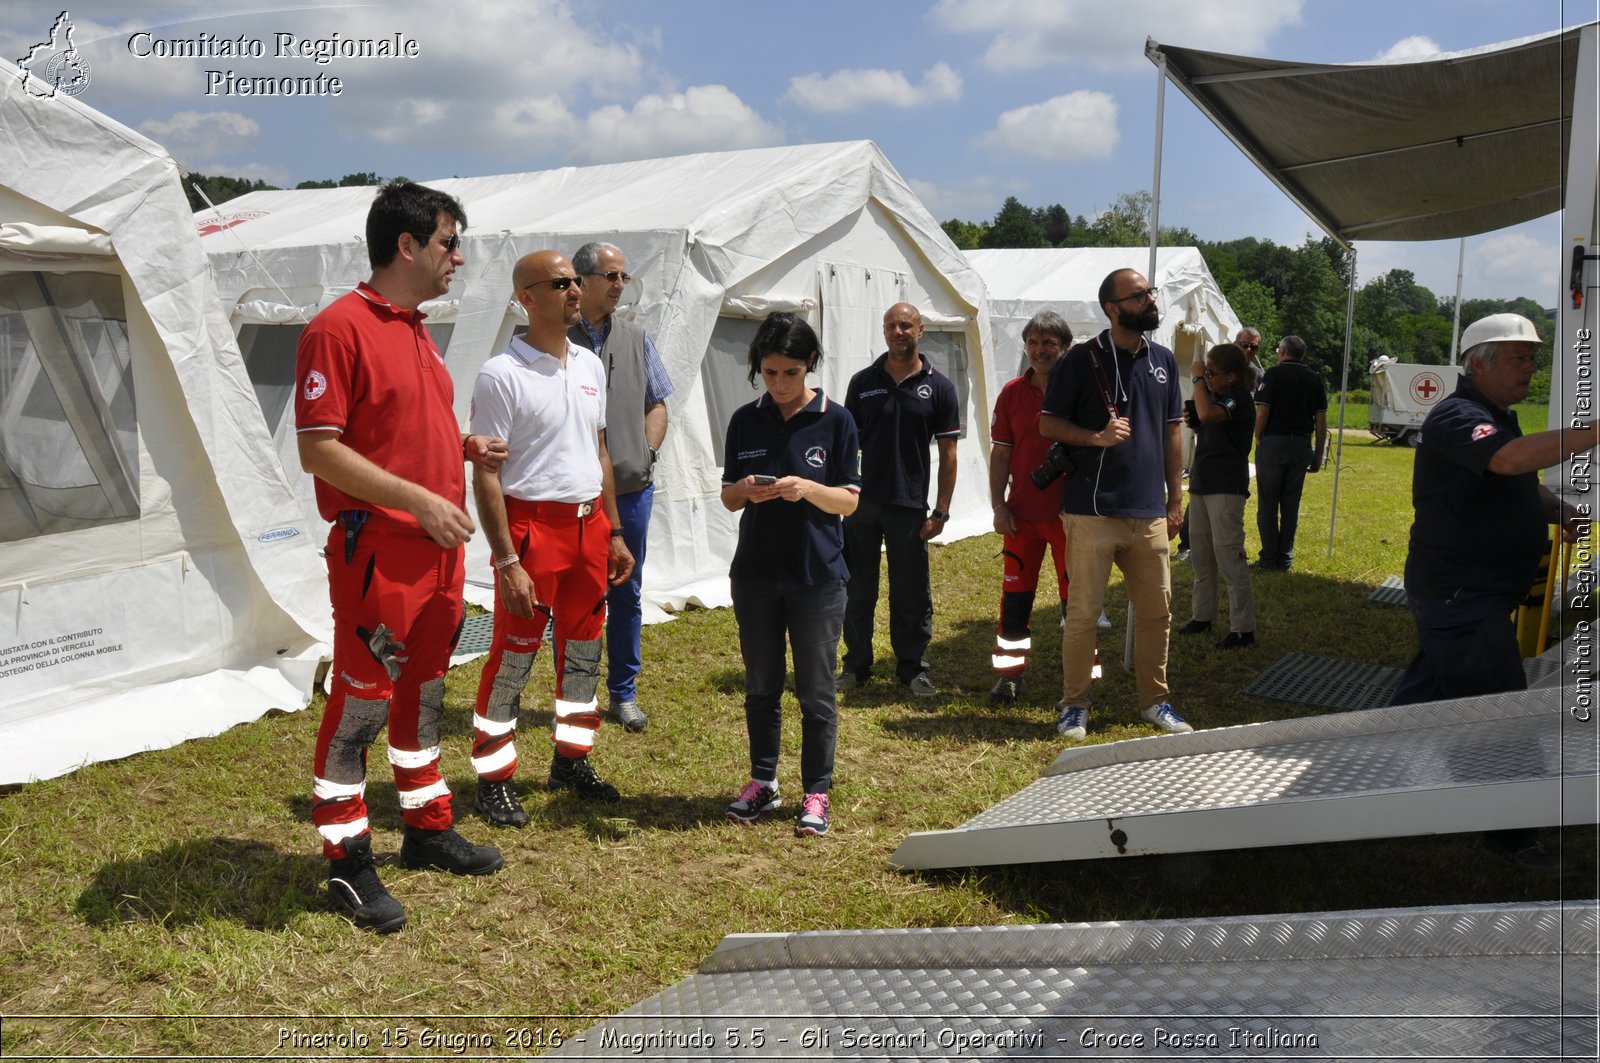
x,y
1107,392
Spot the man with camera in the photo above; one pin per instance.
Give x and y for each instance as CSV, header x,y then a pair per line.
x,y
1115,402
1025,492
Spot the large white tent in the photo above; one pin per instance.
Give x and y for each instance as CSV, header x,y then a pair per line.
x,y
716,241
1194,313
157,581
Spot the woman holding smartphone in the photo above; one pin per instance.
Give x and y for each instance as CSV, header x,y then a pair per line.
x,y
793,473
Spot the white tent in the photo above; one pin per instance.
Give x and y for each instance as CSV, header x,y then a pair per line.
x,y
156,579
716,241
1023,282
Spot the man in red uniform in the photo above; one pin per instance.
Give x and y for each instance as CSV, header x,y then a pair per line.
x,y
1026,515
377,429
550,515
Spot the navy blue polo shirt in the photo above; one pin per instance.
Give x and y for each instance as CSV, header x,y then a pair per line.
x,y
1222,448
897,422
1474,529
1129,479
792,541
1293,394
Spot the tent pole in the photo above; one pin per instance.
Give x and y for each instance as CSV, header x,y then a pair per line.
x,y
1455,326
1155,180
1344,388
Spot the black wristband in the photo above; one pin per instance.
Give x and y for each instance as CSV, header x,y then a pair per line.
x,y
617,533
940,515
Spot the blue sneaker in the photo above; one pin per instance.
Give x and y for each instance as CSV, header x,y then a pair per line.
x,y
1074,722
813,816
1164,717
754,799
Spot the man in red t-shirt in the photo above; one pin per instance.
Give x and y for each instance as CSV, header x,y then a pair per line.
x,y
374,409
1027,516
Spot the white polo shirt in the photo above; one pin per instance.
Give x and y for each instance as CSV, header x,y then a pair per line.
x,y
549,414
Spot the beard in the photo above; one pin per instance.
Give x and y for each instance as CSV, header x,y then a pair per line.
x,y
1142,321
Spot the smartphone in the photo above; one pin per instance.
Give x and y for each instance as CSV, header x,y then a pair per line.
x,y
764,480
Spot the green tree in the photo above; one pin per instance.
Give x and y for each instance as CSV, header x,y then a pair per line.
x,y
349,180
966,235
219,189
1014,226
1252,303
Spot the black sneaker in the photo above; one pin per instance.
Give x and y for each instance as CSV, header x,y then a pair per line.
x,y
1195,627
497,800
1006,689
579,775
448,851
354,890
1237,640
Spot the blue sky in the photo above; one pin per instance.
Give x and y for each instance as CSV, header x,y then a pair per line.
x,y
971,100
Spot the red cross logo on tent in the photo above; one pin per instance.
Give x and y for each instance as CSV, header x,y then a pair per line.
x,y
1426,387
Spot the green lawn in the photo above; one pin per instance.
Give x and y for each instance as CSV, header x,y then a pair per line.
x,y
188,881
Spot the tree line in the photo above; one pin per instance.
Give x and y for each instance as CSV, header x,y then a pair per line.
x,y
1280,290
219,189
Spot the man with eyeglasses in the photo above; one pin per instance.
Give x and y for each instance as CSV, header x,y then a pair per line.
x,y
374,410
636,423
1291,404
1115,401
550,515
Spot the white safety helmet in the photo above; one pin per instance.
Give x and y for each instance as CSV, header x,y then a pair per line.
x,y
1499,328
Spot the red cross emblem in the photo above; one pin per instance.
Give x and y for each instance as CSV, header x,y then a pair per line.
x,y
1425,387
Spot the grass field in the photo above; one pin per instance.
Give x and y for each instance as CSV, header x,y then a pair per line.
x,y
187,883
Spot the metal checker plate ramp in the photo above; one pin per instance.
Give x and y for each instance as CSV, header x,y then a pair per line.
x,y
1487,763
1326,682
1391,592
1471,982
476,633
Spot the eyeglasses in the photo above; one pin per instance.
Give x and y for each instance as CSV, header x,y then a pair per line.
x,y
1250,346
1141,295
560,284
1209,372
451,244
613,276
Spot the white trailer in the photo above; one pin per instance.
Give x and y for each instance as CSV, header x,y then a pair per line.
x,y
1403,394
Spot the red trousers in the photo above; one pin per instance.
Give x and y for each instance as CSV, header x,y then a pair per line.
x,y
396,617
1024,559
567,555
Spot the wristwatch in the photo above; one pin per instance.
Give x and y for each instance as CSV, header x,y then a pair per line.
x,y
940,515
1197,379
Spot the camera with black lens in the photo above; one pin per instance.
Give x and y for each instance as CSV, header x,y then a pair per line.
x,y
1057,462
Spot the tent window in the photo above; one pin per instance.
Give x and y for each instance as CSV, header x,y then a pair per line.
x,y
269,359
441,336
69,443
723,373
948,353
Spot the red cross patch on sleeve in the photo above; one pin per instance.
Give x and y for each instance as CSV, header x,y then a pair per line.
x,y
1483,431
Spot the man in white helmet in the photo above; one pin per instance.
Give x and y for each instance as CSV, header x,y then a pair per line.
x,y
1479,531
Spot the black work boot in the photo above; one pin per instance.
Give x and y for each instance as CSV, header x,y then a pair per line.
x,y
580,776
354,890
497,800
448,851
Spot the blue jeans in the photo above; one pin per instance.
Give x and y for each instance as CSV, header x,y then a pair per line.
x,y
896,530
1466,645
1281,463
810,616
622,601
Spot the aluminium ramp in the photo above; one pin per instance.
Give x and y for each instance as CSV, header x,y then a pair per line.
x,y
1519,759
1472,982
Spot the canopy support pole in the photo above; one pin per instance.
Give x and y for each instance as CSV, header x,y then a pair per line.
x,y
1344,388
1155,180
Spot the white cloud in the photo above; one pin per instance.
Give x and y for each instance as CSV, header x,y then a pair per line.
x,y
1031,33
701,118
203,141
974,199
1517,264
1079,126
851,90
1415,47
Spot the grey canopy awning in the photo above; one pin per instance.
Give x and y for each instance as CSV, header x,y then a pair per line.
x,y
1433,149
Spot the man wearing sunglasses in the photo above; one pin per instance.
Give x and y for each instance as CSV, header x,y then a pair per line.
x,y
550,515
1115,401
374,409
636,422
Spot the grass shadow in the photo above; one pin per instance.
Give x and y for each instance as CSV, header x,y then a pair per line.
x,y
244,882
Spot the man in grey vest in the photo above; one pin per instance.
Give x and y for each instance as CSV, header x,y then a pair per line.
x,y
636,421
